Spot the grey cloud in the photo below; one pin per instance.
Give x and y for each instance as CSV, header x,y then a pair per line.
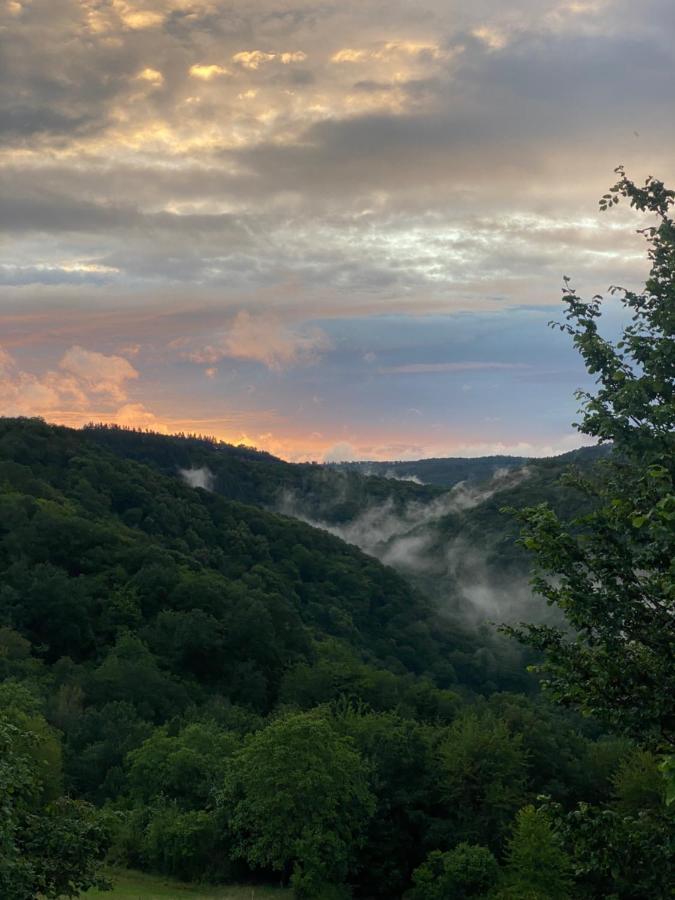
x,y
414,199
45,211
301,77
50,275
24,121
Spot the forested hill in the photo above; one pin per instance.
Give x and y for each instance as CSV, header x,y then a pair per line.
x,y
453,543
95,547
449,471
465,552
460,547
442,471
333,494
125,594
251,476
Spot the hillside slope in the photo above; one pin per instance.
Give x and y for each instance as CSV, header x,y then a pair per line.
x,y
455,544
93,544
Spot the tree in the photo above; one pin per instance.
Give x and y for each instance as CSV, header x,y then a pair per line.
x,y
611,571
483,779
186,767
47,849
537,866
297,799
464,872
638,784
404,780
617,855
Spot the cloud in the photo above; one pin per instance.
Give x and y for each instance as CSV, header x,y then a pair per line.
x,y
198,478
402,534
437,368
494,40
85,386
349,55
6,361
98,373
152,76
388,51
135,415
292,56
265,339
252,59
136,18
207,72
343,451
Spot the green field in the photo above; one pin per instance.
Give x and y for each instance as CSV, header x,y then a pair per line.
x,y
138,886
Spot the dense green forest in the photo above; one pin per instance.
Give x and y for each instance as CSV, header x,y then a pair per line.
x,y
214,691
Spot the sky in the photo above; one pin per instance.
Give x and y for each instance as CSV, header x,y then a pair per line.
x,y
331,229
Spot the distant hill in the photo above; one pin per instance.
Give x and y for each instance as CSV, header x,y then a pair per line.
x,y
443,472
466,554
448,471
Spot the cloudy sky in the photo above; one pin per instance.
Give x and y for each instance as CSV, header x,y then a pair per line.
x,y
329,228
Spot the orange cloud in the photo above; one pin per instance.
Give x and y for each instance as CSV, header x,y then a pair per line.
x,y
98,373
71,393
265,339
135,415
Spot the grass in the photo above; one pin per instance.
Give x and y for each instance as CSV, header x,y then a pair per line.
x,y
139,886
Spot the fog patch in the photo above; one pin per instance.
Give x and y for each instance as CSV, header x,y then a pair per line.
x,y
389,474
462,569
409,553
487,591
402,536
198,478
